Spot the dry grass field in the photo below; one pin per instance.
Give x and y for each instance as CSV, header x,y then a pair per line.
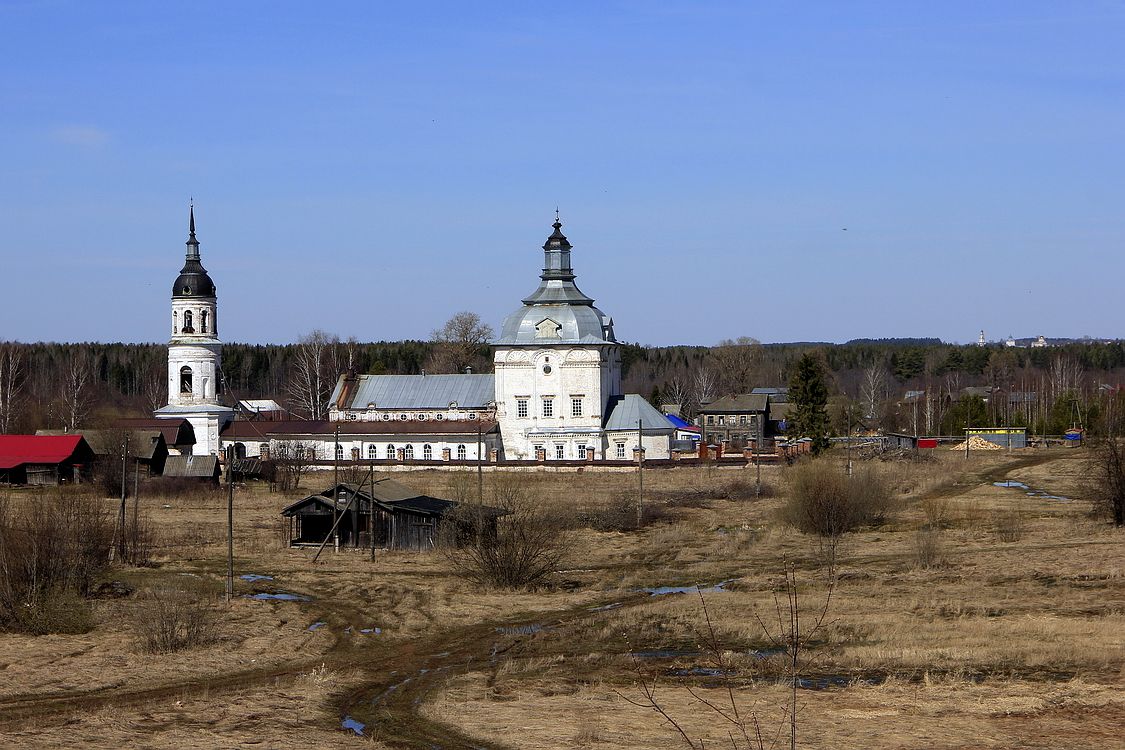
x,y
974,616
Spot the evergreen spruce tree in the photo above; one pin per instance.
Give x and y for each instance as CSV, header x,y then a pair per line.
x,y
809,396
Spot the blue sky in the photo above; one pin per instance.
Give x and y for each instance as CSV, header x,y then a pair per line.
x,y
813,171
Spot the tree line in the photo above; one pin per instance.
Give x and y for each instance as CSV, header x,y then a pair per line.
x,y
914,385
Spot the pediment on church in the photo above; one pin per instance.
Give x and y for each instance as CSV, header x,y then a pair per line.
x,y
548,329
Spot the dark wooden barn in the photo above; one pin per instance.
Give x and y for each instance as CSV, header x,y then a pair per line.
x,y
391,516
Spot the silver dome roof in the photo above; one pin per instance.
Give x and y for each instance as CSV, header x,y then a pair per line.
x,y
557,312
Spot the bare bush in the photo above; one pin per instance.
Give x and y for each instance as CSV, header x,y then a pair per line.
x,y
291,461
929,548
619,513
1106,483
52,546
519,549
936,510
826,502
1010,525
167,620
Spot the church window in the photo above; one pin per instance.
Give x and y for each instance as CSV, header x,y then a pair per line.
x,y
621,450
521,408
372,452
390,451
339,452
548,406
427,452
462,454
264,450
421,417
203,321
187,322
175,322
560,451
185,379
582,451
409,454
355,454
576,406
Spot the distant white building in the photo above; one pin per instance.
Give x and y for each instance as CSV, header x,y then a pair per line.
x,y
195,353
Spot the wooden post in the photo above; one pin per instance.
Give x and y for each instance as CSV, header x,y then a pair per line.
x,y
640,475
371,511
230,523
480,469
336,489
124,478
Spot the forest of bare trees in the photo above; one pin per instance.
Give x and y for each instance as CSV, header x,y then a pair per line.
x,y
60,386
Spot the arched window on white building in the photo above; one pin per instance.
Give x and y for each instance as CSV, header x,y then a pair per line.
x,y
339,452
409,453
427,452
187,322
203,321
390,451
462,454
372,451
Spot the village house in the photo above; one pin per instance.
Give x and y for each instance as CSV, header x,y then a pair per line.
x,y
44,459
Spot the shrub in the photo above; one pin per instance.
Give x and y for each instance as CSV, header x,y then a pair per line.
x,y
826,502
517,550
928,548
1106,483
1009,526
168,620
53,544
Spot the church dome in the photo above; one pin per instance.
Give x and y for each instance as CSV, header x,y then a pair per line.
x,y
193,280
557,312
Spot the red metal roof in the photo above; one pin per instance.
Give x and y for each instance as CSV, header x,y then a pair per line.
x,y
16,450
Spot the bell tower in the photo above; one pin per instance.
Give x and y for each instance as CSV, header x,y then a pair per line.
x,y
195,352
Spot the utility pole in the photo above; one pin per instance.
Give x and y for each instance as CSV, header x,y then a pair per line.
x,y
230,522
124,486
758,438
371,509
480,469
136,500
336,489
640,474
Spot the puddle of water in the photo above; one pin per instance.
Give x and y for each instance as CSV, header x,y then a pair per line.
x,y
664,590
765,653
699,672
605,607
664,654
1031,491
837,680
253,577
356,726
372,631
520,629
317,625
281,596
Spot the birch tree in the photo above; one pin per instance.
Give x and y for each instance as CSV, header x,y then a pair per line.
x,y
313,374
13,368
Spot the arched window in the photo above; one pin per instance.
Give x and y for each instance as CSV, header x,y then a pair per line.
x,y
409,454
240,450
339,452
372,451
175,322
187,322
461,453
390,451
203,321
427,452
185,379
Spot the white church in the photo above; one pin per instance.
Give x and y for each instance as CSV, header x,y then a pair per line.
x,y
555,394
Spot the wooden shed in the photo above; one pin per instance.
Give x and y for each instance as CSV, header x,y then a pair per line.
x,y
391,516
44,459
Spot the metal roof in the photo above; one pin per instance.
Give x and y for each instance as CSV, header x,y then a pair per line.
x,y
408,392
143,444
16,450
570,315
737,403
245,429
625,411
192,466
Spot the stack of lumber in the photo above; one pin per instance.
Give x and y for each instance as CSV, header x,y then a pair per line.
x,y
976,443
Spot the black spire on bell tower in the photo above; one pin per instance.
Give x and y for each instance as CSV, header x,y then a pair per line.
x,y
192,242
193,280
